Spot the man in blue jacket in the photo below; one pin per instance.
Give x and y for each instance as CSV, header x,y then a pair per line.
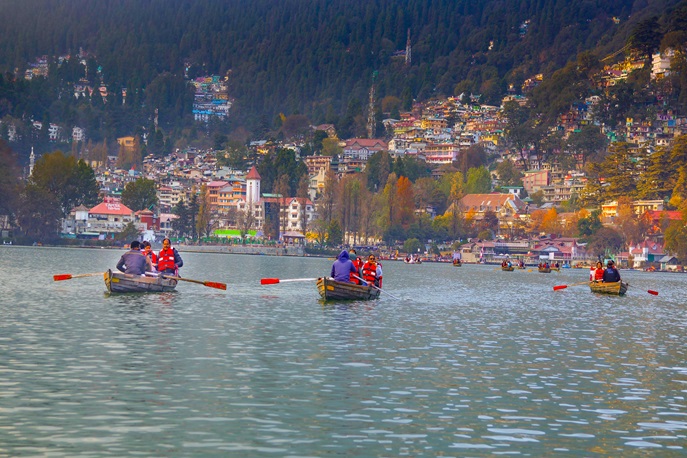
x,y
611,274
342,268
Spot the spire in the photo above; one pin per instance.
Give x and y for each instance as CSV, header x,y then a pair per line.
x,y
408,49
32,162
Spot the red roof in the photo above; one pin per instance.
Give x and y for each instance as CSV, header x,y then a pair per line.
x,y
111,208
253,174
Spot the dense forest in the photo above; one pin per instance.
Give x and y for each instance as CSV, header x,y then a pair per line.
x,y
315,58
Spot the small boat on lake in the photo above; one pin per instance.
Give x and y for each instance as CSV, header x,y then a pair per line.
x,y
335,290
457,263
617,288
118,282
507,268
545,270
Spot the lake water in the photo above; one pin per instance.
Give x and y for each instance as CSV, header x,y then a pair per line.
x,y
470,361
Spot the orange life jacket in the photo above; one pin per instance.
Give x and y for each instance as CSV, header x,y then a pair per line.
x,y
165,260
370,272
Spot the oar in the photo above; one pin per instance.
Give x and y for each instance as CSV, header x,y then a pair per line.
x,y
210,284
651,291
61,277
274,281
375,287
559,287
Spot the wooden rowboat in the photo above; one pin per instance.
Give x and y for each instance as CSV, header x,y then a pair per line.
x,y
457,264
545,270
118,282
617,288
508,269
335,290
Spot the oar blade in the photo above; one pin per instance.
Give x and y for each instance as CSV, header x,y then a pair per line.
x,y
652,292
269,281
61,277
559,287
215,284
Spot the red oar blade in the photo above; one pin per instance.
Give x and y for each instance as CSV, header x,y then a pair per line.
x,y
214,284
62,277
651,291
269,281
559,287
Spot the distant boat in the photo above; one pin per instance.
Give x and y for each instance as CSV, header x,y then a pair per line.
x,y
507,268
457,263
545,270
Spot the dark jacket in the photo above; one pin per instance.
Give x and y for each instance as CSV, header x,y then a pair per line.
x,y
133,262
611,275
342,268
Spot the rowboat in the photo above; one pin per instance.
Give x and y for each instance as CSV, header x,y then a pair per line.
x,y
545,270
457,263
617,288
335,290
556,269
118,282
507,269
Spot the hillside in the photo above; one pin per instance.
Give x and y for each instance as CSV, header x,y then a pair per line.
x,y
316,58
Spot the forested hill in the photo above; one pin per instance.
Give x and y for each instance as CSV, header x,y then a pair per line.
x,y
317,57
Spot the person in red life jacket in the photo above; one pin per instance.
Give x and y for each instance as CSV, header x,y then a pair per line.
x,y
148,251
358,264
168,260
133,261
372,272
599,272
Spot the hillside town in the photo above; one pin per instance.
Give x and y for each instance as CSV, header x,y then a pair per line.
x,y
437,133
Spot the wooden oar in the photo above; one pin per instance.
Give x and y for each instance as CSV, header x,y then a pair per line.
x,y
375,287
61,277
210,284
559,287
274,281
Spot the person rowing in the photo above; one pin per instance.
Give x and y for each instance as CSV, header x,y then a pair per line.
x,y
134,261
611,274
343,267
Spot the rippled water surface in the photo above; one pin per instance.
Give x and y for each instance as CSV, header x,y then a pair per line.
x,y
471,361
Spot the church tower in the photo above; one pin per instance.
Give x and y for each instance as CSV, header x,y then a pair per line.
x,y
253,187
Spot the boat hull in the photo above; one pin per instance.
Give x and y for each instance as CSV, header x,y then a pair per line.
x,y
457,264
331,290
117,282
545,271
508,269
617,288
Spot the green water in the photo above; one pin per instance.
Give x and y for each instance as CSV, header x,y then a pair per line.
x,y
471,361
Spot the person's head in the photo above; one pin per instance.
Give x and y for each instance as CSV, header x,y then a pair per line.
x,y
135,245
610,263
343,256
352,251
146,246
371,258
599,265
166,243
